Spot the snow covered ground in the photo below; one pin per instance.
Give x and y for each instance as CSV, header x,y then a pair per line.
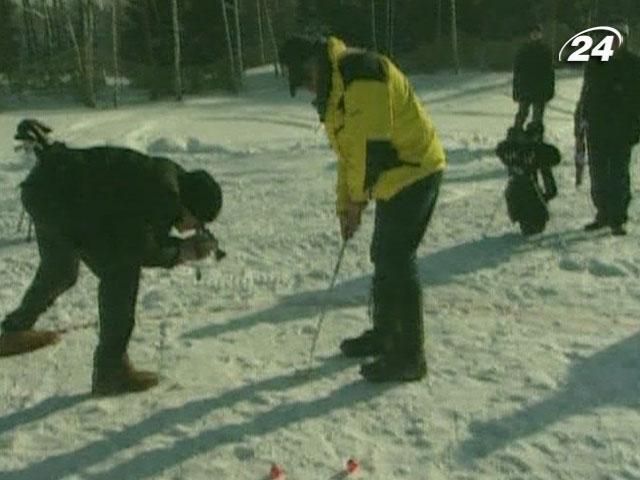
x,y
533,345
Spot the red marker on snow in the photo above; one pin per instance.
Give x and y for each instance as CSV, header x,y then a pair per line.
x,y
352,466
276,472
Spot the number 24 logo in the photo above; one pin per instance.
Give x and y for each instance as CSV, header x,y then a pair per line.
x,y
604,49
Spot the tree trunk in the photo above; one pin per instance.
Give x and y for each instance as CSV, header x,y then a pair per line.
x,y
374,39
114,45
263,59
454,37
76,48
272,36
29,32
227,31
176,50
88,23
238,40
151,74
390,27
438,23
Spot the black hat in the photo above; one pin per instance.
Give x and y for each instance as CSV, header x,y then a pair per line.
x,y
32,130
295,51
201,194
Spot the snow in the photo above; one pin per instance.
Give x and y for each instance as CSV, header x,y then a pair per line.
x,y
533,345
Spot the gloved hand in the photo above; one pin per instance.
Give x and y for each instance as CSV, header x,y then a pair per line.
x,y
197,247
350,219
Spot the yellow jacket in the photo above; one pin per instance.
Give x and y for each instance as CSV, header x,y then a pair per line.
x,y
372,110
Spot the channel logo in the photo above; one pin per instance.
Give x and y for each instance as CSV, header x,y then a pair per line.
x,y
582,45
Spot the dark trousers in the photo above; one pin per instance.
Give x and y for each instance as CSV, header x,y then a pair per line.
x,y
58,271
523,112
609,160
400,225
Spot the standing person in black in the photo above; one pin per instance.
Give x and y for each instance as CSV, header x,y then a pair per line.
x,y
533,78
113,208
608,115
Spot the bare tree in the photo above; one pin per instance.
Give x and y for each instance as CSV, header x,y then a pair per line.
x,y
227,30
176,50
272,36
390,26
454,37
438,23
236,10
115,46
260,32
87,25
374,39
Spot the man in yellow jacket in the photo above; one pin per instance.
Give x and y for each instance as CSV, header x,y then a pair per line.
x,y
388,151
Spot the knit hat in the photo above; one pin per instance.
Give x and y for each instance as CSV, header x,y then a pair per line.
x,y
295,52
201,194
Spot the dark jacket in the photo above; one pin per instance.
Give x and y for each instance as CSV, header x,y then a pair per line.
x,y
610,98
115,204
533,74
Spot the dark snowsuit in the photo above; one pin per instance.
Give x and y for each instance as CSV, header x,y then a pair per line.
x,y
533,80
526,160
112,208
609,108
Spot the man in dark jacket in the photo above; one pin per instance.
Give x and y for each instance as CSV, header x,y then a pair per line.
x,y
112,208
608,115
533,78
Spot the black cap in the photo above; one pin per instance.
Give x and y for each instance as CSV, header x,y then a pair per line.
x,y
32,130
295,51
201,194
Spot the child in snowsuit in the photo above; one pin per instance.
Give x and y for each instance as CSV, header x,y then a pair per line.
x,y
527,158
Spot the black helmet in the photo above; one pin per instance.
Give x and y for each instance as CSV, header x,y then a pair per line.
x,y
295,51
201,194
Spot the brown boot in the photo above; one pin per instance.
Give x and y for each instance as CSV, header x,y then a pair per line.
x,y
121,378
24,341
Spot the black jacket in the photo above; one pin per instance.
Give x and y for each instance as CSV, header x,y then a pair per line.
x,y
533,74
610,98
114,204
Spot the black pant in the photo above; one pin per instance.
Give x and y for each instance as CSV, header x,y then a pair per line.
x,y
523,112
400,225
609,160
58,271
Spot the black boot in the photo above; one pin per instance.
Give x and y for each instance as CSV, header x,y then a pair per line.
x,y
595,225
118,377
403,359
367,344
618,230
389,368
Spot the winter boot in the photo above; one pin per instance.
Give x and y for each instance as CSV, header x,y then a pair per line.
x,y
367,344
618,230
595,225
23,341
392,368
120,378
403,359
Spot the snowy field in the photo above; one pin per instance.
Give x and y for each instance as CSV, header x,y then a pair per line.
x,y
533,345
